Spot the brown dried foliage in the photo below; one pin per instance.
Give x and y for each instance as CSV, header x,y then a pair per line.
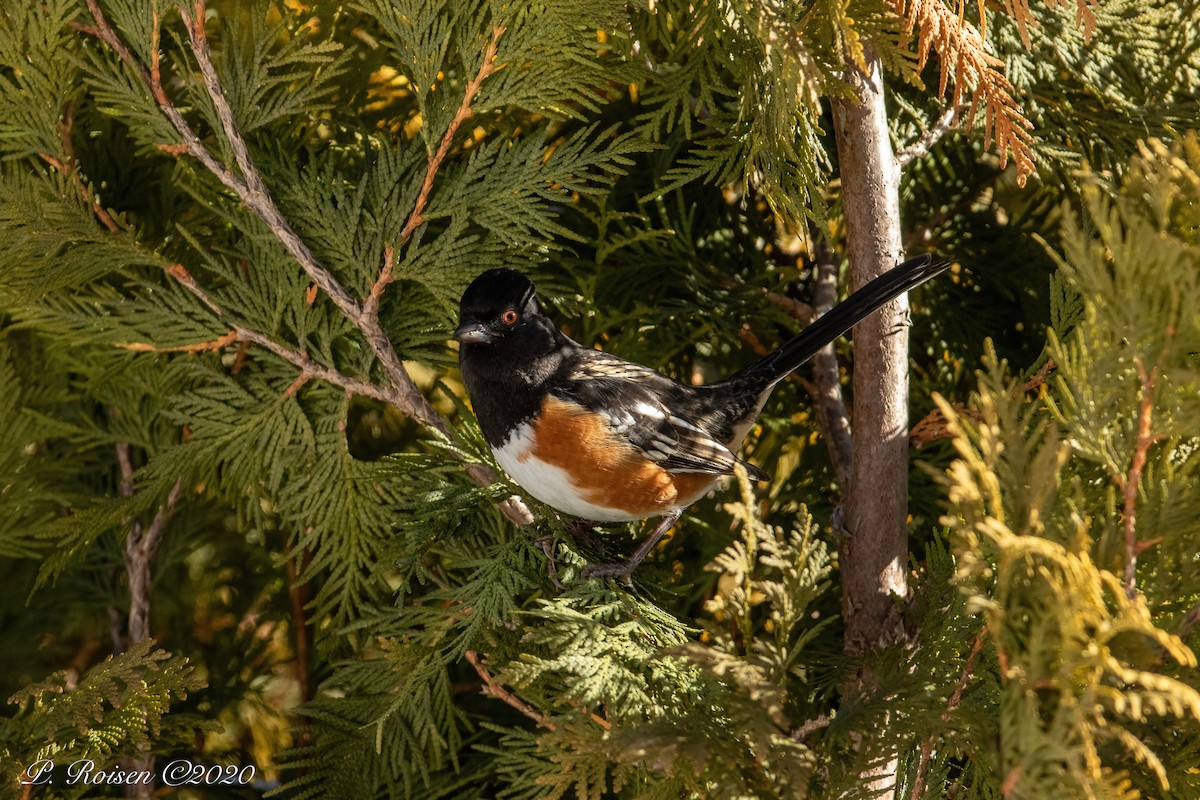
x,y
963,56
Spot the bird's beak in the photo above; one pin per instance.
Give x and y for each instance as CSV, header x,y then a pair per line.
x,y
473,333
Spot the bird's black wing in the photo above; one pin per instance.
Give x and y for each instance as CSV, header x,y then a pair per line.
x,y
638,404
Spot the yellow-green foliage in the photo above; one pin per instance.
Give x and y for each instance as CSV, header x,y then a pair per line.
x,y
1096,678
120,703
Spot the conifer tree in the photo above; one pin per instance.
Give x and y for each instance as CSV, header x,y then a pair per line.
x,y
249,519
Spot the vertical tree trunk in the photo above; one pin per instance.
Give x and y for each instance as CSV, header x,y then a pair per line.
x,y
874,549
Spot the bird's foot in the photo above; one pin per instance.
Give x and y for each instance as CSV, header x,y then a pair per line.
x,y
623,571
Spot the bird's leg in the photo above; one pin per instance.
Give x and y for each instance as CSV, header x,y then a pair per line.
x,y
624,571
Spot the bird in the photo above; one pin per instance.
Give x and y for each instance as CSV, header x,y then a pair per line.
x,y
604,439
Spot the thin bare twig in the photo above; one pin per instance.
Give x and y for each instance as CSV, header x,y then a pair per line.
x,y
832,417
825,387
139,552
125,466
403,394
921,147
298,592
1039,377
116,629
370,306
923,234
180,273
195,347
460,115
251,190
955,698
417,216
141,545
69,168
810,727
296,385
308,368
968,671
191,144
496,689
1131,481
796,309
514,507
314,370
1190,621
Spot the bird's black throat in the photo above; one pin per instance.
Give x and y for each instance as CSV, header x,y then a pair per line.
x,y
504,377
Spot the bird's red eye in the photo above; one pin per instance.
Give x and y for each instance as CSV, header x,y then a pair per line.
x,y
510,317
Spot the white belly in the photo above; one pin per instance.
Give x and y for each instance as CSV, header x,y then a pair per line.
x,y
548,483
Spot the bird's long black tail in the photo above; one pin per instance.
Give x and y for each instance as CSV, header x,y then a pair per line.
x,y
843,317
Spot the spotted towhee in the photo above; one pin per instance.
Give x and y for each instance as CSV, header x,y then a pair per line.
x,y
608,440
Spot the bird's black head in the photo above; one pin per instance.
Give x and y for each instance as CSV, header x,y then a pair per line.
x,y
508,350
507,346
498,305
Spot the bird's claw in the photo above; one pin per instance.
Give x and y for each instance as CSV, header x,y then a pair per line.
x,y
622,571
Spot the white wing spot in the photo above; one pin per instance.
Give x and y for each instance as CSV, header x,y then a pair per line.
x,y
653,412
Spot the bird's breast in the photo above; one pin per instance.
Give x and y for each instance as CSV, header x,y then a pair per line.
x,y
571,460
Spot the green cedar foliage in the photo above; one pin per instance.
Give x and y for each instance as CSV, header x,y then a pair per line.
x,y
1053,497
340,604
116,707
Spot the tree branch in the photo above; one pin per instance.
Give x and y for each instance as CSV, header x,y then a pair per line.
x,y
918,788
461,114
1190,621
298,593
830,405
140,547
921,147
964,56
68,166
825,388
495,689
139,550
796,309
924,232
254,194
513,507
417,216
874,553
252,191
1131,481
370,307
933,425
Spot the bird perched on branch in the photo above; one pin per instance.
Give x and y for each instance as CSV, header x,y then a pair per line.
x,y
604,439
